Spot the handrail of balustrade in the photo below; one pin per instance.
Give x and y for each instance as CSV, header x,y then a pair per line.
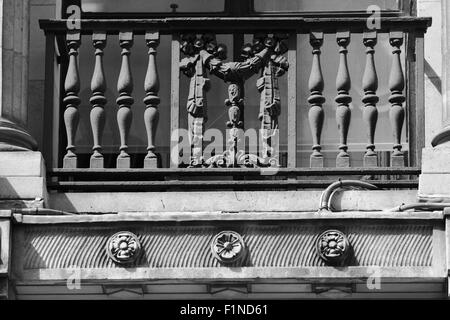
x,y
222,25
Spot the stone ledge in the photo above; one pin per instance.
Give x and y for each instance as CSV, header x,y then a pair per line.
x,y
236,274
222,216
254,289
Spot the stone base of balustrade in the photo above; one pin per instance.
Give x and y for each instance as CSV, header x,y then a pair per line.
x,y
123,163
70,163
316,162
97,163
397,161
370,161
150,163
343,162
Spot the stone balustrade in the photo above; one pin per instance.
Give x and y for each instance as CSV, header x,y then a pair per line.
x,y
270,55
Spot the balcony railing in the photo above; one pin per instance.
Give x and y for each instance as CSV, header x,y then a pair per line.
x,y
272,54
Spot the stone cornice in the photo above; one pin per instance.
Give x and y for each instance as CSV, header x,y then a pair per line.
x,y
220,216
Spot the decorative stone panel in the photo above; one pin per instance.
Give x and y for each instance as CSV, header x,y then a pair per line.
x,y
189,246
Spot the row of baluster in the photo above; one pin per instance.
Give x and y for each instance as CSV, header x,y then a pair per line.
x,y
98,99
151,100
370,98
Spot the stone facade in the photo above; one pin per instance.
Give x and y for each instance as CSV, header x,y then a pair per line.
x,y
214,244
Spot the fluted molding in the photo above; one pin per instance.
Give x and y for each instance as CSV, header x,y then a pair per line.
x,y
396,86
71,99
343,99
280,246
151,100
125,100
98,99
14,90
316,99
370,98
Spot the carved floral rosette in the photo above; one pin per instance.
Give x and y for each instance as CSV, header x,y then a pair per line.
x,y
123,247
228,247
333,246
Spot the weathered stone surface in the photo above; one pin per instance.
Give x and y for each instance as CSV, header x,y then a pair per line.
x,y
168,247
150,163
124,163
27,163
70,163
436,160
434,181
343,162
142,217
22,188
316,162
370,161
18,203
398,161
434,186
228,201
97,163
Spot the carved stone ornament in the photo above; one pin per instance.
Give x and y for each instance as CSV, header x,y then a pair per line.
x,y
265,55
228,247
333,246
123,247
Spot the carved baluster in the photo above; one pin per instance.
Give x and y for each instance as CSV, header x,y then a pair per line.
x,y
316,100
151,99
396,85
72,100
343,99
199,49
370,98
125,100
270,101
98,100
235,73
